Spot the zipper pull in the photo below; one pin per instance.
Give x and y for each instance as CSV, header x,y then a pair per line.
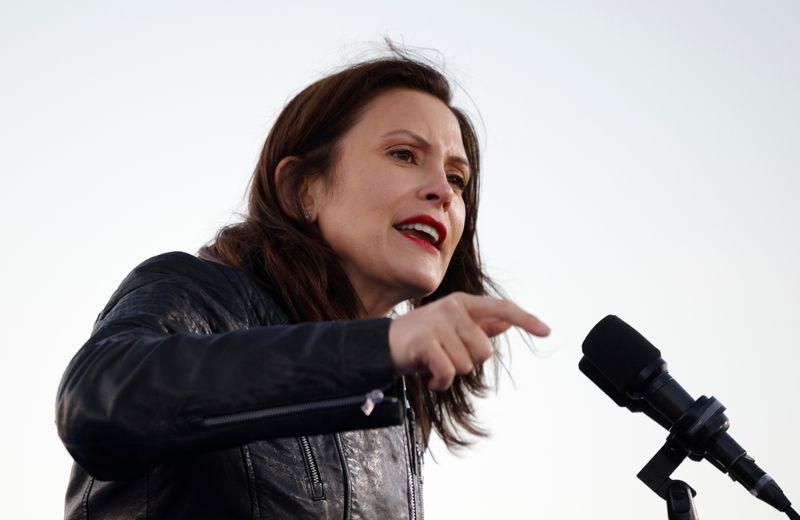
x,y
372,398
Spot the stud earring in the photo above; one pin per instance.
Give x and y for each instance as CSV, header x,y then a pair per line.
x,y
307,215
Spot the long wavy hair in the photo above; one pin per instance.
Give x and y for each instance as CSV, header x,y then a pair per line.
x,y
288,254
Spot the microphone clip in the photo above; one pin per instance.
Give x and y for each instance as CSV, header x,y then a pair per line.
x,y
689,437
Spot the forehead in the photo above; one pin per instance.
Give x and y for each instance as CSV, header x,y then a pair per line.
x,y
412,110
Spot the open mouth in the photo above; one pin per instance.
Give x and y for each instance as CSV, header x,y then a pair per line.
x,y
424,230
421,232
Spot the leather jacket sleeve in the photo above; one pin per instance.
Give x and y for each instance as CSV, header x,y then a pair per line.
x,y
186,358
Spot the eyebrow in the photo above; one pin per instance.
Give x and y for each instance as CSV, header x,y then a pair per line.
x,y
423,143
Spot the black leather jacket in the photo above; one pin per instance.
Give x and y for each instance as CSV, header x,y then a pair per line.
x,y
194,398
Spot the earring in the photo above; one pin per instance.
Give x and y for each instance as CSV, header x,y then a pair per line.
x,y
307,215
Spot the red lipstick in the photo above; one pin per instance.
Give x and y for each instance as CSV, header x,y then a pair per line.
x,y
428,221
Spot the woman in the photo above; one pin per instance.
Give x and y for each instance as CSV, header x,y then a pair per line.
x,y
263,379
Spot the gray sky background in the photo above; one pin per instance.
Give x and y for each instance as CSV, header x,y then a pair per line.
x,y
640,159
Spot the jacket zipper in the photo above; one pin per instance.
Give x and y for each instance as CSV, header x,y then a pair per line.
x,y
413,466
347,506
412,452
317,487
367,402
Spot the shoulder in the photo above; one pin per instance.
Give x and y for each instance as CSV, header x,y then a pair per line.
x,y
188,269
178,269
177,263
190,278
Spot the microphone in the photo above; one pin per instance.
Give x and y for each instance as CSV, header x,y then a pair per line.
x,y
630,370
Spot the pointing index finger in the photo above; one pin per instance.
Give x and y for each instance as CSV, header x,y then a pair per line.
x,y
485,307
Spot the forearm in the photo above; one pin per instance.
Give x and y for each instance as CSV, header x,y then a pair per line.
x,y
132,398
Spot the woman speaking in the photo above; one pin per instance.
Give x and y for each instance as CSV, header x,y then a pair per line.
x,y
265,377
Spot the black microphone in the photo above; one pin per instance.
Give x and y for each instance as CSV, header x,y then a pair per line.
x,y
630,370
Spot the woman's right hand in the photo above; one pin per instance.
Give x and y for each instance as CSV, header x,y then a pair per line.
x,y
451,335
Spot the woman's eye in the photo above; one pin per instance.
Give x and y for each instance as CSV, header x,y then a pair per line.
x,y
403,155
458,181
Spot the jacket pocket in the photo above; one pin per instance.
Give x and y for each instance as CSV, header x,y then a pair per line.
x,y
316,486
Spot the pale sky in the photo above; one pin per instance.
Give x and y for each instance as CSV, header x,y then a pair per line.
x,y
640,159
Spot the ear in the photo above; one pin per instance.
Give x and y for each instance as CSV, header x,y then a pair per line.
x,y
313,196
308,190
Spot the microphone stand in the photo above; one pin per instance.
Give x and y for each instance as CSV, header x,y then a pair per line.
x,y
688,437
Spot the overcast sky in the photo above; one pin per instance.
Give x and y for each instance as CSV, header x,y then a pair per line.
x,y
640,159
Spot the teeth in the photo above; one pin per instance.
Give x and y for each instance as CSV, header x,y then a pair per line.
x,y
424,228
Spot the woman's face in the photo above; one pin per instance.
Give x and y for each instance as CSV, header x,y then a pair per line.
x,y
393,211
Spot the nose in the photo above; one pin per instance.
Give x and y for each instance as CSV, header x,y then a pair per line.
x,y
437,188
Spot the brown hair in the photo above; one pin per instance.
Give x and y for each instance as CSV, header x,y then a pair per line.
x,y
284,252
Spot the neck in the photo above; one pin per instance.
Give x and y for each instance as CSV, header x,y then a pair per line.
x,y
378,302
378,308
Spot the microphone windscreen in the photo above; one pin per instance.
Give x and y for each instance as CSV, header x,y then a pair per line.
x,y
618,351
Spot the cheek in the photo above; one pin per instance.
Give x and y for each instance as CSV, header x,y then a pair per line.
x,y
357,226
457,222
